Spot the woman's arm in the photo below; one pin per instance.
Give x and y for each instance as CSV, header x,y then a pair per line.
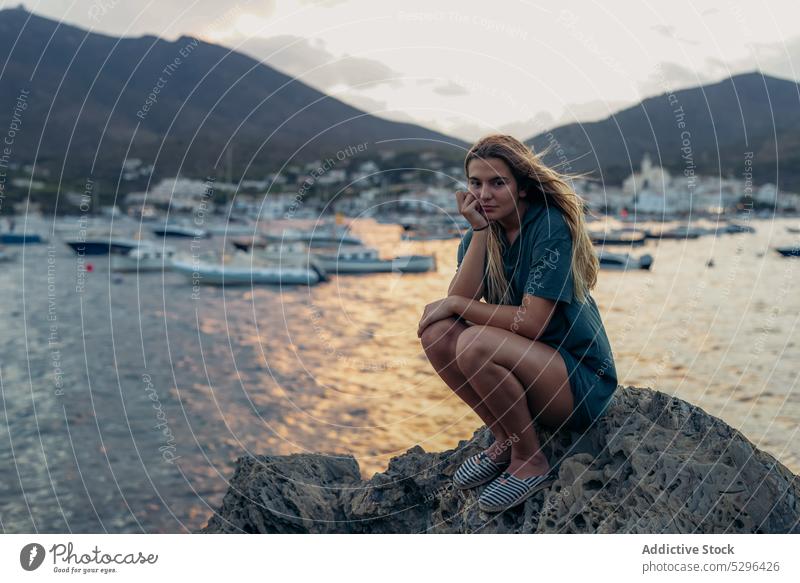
x,y
529,320
468,280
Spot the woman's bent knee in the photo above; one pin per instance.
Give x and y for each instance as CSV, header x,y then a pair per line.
x,y
474,348
441,335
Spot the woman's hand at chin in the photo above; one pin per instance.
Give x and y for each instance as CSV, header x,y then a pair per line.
x,y
470,209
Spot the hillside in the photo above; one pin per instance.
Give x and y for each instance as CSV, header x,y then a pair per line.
x,y
745,113
93,99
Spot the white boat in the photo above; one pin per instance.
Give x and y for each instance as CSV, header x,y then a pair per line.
x,y
294,254
362,259
143,258
238,272
321,235
232,230
623,261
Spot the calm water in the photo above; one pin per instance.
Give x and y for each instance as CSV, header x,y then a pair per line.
x,y
126,403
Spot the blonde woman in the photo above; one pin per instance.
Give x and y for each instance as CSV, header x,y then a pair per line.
x,y
536,349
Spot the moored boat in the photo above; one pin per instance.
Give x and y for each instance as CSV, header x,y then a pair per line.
x,y
633,237
237,273
321,236
103,245
789,250
361,259
23,238
732,228
623,261
682,232
182,231
143,258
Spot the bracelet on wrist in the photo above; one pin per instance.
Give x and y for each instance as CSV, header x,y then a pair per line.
x,y
481,229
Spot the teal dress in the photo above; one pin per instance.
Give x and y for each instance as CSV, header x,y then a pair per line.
x,y
539,263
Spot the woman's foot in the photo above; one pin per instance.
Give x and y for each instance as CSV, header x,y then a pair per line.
x,y
499,452
528,467
476,470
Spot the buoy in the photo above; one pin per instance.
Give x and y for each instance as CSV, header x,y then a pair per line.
x,y
89,267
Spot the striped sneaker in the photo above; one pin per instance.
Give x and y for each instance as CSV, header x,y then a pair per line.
x,y
508,491
476,470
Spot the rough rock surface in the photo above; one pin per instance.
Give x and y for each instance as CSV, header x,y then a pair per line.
x,y
652,464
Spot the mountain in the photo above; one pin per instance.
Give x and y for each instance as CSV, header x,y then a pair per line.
x,y
81,102
707,129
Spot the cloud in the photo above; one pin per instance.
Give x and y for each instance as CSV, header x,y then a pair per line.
x,y
670,31
664,29
671,76
451,88
323,3
781,59
314,64
590,111
474,129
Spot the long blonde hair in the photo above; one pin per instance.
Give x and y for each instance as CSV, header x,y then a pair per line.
x,y
537,179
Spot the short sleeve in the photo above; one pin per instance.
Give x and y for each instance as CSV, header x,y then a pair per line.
x,y
550,275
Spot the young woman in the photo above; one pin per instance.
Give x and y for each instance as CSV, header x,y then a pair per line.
x,y
536,349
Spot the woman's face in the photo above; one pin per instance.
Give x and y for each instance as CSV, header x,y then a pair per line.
x,y
491,181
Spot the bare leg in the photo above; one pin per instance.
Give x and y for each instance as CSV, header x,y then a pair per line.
x,y
519,380
439,342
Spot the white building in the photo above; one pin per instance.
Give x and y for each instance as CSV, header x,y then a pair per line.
x,y
651,190
766,194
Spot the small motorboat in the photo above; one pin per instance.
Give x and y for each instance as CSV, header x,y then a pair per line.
x,y
321,236
733,228
295,254
240,272
683,232
789,251
23,238
182,231
143,258
411,222
631,237
431,236
248,243
231,229
624,261
103,245
362,259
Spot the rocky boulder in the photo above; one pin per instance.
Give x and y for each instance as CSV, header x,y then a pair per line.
x,y
653,464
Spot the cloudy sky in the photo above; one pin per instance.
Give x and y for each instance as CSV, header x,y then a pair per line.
x,y
467,68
